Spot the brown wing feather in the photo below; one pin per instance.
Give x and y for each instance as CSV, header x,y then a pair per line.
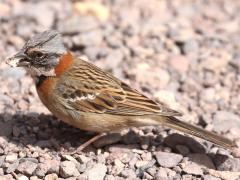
x,y
90,89
140,104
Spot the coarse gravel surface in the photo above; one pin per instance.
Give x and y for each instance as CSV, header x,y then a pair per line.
x,y
185,53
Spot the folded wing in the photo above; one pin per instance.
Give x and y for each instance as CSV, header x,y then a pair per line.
x,y
90,89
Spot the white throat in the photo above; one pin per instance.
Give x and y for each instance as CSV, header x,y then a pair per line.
x,y
35,72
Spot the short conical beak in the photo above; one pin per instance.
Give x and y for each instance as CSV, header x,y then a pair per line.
x,y
17,60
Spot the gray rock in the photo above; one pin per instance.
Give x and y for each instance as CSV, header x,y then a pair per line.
x,y
225,120
209,177
180,63
2,158
12,167
11,158
177,169
15,73
1,151
202,160
25,31
81,167
168,160
111,177
152,171
114,58
83,159
236,60
224,163
34,160
146,176
128,173
178,139
114,41
41,170
6,177
216,61
101,159
187,177
155,77
68,169
78,24
190,46
97,172
51,177
70,158
22,177
90,38
164,173
35,11
191,168
6,100
27,167
95,52
3,141
208,94
1,172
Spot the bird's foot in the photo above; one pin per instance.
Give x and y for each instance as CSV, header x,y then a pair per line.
x,y
87,143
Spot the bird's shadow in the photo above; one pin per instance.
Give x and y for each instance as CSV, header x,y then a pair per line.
x,y
46,132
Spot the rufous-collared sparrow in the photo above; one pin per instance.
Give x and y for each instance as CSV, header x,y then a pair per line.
x,y
91,99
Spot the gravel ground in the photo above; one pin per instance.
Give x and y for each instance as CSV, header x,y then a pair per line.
x,y
183,52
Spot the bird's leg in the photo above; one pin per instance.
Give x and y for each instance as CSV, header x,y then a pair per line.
x,y
87,143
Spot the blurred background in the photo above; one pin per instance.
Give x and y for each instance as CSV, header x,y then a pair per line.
x,y
184,53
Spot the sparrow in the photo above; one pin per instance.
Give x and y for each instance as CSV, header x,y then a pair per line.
x,y
86,97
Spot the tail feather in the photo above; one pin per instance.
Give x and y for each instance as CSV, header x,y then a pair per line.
x,y
184,127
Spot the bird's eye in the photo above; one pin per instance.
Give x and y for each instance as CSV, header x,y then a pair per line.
x,y
37,54
33,53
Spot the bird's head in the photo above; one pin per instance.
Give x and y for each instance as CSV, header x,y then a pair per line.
x,y
41,54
